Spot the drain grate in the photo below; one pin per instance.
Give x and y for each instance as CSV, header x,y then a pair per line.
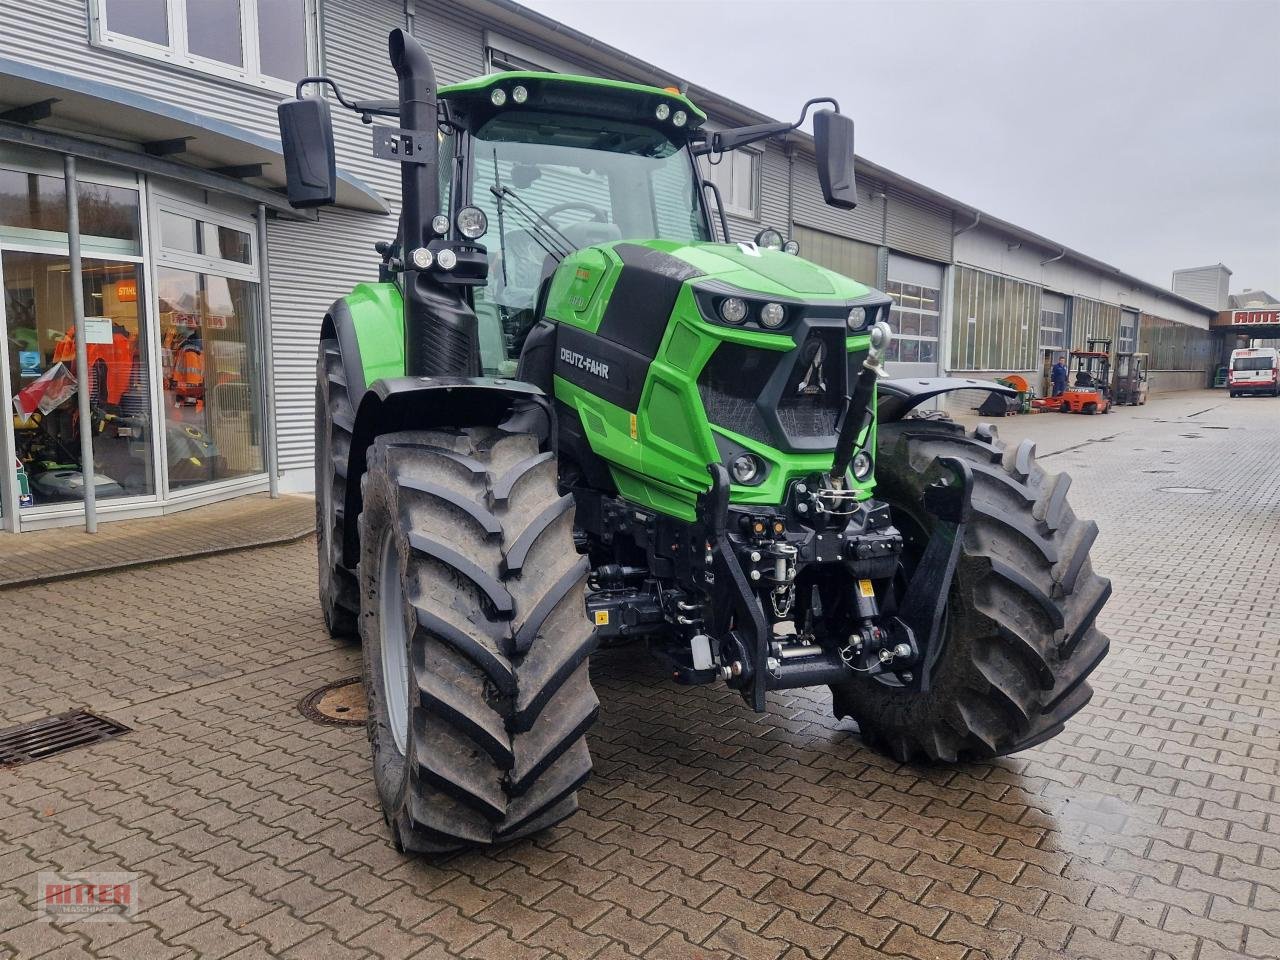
x,y
54,735
340,703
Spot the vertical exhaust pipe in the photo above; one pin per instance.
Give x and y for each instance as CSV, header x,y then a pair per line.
x,y
440,336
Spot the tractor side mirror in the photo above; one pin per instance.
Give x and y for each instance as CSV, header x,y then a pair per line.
x,y
833,143
311,171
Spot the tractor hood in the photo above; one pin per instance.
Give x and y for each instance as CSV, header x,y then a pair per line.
x,y
762,272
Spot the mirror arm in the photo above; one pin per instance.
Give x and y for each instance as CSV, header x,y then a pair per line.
x,y
731,139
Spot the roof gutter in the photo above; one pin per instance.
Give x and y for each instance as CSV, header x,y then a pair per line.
x,y
977,219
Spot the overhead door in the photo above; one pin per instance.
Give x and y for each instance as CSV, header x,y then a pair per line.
x,y
916,317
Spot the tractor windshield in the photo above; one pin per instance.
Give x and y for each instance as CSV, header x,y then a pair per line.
x,y
553,183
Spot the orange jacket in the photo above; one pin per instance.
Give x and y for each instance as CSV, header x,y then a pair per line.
x,y
110,364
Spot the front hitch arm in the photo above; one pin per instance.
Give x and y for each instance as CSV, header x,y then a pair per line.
x,y
948,498
731,595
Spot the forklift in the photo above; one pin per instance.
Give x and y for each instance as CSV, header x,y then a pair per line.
x,y
1130,385
1090,390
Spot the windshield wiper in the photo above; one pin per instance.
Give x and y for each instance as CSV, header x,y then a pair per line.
x,y
547,235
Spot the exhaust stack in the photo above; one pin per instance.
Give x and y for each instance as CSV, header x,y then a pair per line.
x,y
440,329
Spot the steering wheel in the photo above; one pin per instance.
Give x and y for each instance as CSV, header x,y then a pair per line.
x,y
597,214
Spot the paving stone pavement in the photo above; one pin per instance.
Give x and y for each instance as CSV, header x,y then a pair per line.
x,y
42,555
1149,829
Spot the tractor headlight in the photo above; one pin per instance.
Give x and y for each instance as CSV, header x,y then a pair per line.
x,y
733,310
439,224
772,315
663,111
519,94
745,468
792,247
472,223
422,258
862,465
447,259
769,238
857,318
679,118
497,96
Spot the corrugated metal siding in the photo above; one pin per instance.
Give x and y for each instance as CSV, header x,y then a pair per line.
x,y
355,55
916,226
864,222
55,33
773,189
453,38
1175,346
853,258
312,264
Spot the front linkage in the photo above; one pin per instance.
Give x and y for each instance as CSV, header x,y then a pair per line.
x,y
711,593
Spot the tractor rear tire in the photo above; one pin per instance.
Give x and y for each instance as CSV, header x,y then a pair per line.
x,y
476,639
1019,638
334,421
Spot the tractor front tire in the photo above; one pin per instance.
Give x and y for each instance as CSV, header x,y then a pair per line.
x,y
1018,637
476,640
334,421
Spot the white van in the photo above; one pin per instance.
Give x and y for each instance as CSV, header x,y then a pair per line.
x,y
1254,370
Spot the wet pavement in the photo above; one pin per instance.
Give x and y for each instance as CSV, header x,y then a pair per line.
x,y
1150,828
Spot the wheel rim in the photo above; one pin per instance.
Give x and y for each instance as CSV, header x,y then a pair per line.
x,y
393,641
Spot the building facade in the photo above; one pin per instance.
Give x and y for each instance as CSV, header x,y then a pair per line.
x,y
203,291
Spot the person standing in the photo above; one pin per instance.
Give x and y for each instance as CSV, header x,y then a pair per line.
x,y
1058,375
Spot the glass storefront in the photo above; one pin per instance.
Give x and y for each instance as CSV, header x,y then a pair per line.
x,y
172,339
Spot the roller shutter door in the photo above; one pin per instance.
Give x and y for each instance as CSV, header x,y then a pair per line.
x,y
917,226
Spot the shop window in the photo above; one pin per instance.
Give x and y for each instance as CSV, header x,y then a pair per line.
x,y
207,302
736,175
33,212
916,322
40,332
213,427
265,42
42,373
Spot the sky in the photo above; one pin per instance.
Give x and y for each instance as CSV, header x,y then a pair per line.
x,y
1144,133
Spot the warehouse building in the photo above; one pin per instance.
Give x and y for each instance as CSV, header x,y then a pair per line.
x,y
204,291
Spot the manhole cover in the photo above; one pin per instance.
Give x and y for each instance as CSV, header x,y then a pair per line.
x,y
341,702
1186,490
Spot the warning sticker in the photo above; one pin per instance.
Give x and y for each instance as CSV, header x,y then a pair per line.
x,y
865,589
602,618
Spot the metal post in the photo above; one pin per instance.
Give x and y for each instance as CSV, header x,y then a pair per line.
x,y
271,460
88,474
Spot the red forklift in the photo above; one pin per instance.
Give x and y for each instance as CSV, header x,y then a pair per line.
x,y
1090,389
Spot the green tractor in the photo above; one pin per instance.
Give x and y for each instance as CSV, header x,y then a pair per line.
x,y
566,417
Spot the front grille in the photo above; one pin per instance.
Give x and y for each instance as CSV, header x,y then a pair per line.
x,y
731,383
788,400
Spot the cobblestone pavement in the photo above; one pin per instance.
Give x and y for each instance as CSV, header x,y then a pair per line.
x,y
232,525
1151,828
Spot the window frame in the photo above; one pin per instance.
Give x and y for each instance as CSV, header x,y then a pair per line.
x,y
754,157
175,52
894,352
